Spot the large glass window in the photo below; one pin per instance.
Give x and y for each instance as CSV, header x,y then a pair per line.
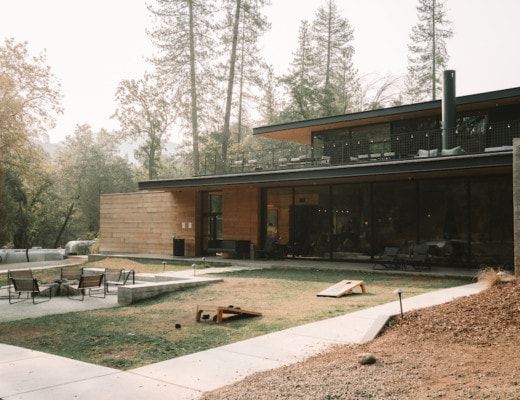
x,y
464,221
491,221
351,221
310,227
212,224
395,215
332,144
471,132
444,218
278,203
373,139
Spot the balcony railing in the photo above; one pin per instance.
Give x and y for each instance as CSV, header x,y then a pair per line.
x,y
481,138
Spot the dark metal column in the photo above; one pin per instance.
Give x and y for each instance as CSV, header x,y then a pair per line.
x,y
448,110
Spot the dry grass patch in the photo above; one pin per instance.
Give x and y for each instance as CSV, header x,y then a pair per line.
x,y
144,333
492,276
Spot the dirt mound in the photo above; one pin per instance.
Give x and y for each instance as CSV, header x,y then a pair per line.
x,y
467,348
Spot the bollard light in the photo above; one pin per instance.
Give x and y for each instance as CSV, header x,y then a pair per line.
x,y
194,267
163,266
400,291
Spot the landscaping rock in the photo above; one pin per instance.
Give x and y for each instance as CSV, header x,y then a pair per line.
x,y
366,358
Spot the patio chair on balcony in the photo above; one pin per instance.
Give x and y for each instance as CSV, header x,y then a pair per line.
x,y
253,165
237,165
282,162
498,148
325,160
421,153
452,152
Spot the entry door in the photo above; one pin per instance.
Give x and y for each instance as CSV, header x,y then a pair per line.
x,y
212,213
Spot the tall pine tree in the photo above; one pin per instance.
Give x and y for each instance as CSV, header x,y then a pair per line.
x,y
333,35
428,56
186,47
322,80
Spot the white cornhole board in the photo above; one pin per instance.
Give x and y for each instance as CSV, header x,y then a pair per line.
x,y
341,288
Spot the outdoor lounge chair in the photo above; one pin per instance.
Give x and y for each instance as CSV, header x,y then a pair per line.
x,y
419,259
71,274
91,283
389,259
20,274
22,281
117,277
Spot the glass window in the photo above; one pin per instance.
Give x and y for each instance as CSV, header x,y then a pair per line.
x,y
395,215
278,203
373,139
444,219
351,221
331,144
491,221
310,227
212,223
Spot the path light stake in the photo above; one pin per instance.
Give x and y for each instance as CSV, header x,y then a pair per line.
x,y
400,291
163,266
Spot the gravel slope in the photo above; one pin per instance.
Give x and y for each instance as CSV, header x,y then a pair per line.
x,y
465,349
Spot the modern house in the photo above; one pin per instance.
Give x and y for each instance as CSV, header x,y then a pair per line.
x,y
438,173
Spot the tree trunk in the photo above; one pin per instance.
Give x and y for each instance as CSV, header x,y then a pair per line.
x,y
64,225
226,130
194,116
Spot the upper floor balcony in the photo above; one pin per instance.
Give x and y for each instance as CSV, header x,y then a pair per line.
x,y
478,139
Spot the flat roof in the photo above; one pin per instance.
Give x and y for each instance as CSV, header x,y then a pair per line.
x,y
301,131
319,175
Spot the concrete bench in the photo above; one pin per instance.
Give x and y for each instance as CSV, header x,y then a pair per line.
x,y
140,291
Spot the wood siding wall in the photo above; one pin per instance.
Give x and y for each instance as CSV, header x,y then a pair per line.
x,y
143,223
241,214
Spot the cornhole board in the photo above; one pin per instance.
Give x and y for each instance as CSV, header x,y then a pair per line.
x,y
341,288
221,310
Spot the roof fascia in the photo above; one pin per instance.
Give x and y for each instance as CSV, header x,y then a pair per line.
x,y
386,112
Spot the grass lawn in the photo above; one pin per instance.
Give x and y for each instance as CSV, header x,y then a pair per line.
x,y
144,333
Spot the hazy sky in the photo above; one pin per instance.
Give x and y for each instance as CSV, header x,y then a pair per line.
x,y
94,44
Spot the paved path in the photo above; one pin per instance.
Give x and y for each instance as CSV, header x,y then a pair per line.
x,y
26,374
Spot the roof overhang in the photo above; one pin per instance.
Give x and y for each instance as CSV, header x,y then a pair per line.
x,y
301,131
459,165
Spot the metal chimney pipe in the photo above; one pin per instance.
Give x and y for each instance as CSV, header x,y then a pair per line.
x,y
448,110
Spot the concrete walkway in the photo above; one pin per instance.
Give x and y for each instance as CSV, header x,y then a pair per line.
x,y
26,374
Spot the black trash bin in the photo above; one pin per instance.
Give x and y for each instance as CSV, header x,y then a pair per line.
x,y
178,247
